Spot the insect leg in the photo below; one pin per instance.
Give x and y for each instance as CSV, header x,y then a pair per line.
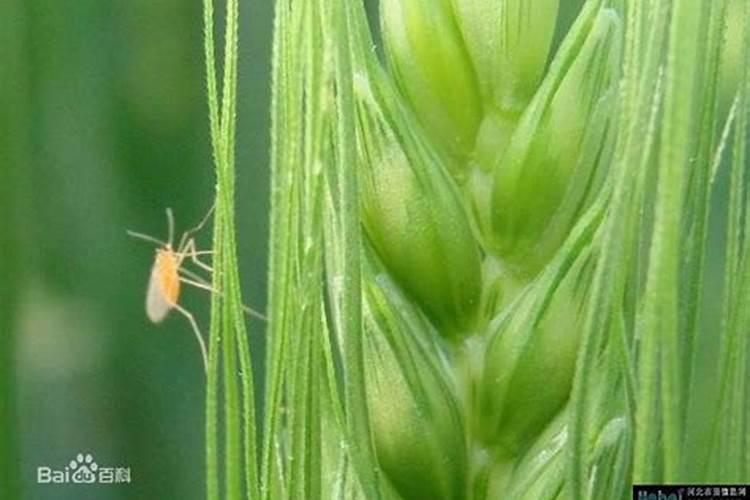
x,y
193,276
197,332
197,228
200,263
200,283
189,250
252,312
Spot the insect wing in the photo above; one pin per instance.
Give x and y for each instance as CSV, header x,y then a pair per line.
x,y
157,306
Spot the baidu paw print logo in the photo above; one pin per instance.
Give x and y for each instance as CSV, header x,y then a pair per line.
x,y
83,469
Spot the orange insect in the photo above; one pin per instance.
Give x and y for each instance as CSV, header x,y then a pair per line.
x,y
168,273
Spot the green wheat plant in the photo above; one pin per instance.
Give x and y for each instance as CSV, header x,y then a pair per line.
x,y
489,252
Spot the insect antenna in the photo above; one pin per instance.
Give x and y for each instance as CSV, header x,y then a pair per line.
x,y
146,237
170,225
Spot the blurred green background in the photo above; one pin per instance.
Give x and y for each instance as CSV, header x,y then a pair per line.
x,y
104,124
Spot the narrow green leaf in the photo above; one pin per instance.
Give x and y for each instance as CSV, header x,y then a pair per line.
x,y
227,318
212,380
286,134
698,196
344,274
661,300
638,116
729,455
